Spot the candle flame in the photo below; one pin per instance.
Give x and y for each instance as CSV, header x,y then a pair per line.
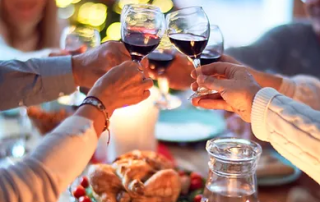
x,y
146,40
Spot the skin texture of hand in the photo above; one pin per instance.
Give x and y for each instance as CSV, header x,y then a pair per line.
x,y
123,85
236,90
178,73
91,65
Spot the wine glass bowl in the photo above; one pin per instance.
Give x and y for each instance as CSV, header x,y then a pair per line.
x,y
215,47
78,40
189,30
142,27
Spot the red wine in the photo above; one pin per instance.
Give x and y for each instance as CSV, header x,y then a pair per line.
x,y
209,57
140,44
189,44
160,60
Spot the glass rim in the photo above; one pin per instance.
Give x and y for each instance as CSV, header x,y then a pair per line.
x,y
258,150
144,6
185,8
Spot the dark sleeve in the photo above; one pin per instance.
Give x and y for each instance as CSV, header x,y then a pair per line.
x,y
265,53
34,81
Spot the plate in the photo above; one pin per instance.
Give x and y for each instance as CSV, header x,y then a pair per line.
x,y
280,180
189,125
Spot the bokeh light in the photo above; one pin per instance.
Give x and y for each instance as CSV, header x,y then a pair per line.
x,y
164,5
121,3
66,12
75,1
94,14
63,3
114,31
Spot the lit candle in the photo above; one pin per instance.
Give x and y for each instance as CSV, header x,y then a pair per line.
x,y
133,128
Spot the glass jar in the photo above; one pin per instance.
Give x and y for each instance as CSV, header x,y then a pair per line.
x,y
232,170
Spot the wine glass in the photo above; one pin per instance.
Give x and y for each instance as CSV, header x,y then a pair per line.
x,y
159,61
142,27
189,30
77,40
214,49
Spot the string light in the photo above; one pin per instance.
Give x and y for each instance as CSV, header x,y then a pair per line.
x,y
75,1
94,14
66,12
63,3
114,31
164,5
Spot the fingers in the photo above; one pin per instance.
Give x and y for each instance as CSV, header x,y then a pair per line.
x,y
212,83
194,86
147,83
217,104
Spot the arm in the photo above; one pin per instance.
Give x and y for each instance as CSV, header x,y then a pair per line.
x,y
265,53
64,153
291,127
34,81
59,159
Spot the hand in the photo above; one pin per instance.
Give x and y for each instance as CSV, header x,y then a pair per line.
x,y
123,85
91,65
178,73
57,53
236,91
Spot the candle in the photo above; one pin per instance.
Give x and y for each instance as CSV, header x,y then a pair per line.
x,y
133,128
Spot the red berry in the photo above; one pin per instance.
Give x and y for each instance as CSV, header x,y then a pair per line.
x,y
196,183
181,173
79,191
84,182
84,199
195,175
197,198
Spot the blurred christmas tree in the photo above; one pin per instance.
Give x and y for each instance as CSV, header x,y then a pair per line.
x,y
103,15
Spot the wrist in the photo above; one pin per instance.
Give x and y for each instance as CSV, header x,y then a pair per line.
x,y
268,80
76,66
92,113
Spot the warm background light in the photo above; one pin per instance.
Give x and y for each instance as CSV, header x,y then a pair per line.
x,y
94,14
164,5
113,31
63,3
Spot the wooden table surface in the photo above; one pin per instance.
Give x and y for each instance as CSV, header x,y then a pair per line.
x,y
195,158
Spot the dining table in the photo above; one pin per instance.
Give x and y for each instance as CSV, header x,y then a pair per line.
x,y
190,156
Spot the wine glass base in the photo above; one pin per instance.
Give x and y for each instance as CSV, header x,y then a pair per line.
x,y
172,102
199,94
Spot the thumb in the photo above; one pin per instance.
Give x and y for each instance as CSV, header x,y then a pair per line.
x,y
212,83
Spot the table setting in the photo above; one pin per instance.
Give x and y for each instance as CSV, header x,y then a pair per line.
x,y
162,149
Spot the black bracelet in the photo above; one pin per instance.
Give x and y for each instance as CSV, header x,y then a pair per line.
x,y
96,102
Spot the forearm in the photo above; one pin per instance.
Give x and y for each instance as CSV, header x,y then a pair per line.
x,y
34,81
291,127
56,162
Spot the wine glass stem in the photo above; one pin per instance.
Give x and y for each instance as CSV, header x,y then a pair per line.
x,y
163,87
139,63
197,64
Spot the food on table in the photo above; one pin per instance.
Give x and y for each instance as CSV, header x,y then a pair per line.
x,y
46,121
140,176
79,191
270,166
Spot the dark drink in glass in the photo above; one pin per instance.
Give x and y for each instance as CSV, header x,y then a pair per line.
x,y
189,44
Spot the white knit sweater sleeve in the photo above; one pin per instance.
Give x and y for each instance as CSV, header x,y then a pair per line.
x,y
291,127
302,88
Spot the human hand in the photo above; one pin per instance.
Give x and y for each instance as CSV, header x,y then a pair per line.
x,y
178,73
123,85
91,65
235,92
57,53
